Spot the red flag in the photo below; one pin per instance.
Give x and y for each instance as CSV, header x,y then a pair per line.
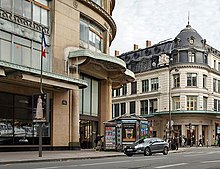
x,y
43,49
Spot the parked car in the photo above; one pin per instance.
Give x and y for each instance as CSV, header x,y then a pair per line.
x,y
148,146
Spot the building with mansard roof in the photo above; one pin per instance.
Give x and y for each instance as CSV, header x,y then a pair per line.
x,y
74,87
177,88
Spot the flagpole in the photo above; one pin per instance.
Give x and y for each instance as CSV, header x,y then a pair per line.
x,y
41,91
41,64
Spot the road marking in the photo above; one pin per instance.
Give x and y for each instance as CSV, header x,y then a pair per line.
x,y
216,161
191,155
171,165
103,163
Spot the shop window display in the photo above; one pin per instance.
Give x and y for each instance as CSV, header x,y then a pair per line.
x,y
16,126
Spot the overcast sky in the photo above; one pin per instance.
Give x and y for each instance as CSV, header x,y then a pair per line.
x,y
158,20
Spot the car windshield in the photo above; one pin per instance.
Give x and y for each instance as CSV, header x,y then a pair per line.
x,y
144,140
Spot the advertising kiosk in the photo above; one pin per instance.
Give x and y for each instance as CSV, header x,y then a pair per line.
x,y
124,130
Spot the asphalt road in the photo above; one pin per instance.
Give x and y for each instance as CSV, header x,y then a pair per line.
x,y
198,159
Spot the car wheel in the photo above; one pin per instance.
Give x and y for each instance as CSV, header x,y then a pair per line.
x,y
165,151
147,151
129,155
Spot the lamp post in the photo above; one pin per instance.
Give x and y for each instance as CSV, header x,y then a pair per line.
x,y
170,125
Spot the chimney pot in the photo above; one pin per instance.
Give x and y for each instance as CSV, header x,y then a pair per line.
x,y
116,53
148,43
135,47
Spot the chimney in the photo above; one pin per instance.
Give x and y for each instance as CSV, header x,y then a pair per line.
x,y
135,47
116,53
148,43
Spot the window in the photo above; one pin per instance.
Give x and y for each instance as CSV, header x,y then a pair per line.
x,y
191,79
113,91
214,85
98,2
215,105
144,107
154,84
205,58
123,108
22,51
218,86
37,10
118,92
176,103
124,90
205,102
16,120
89,97
176,80
191,57
175,58
132,107
219,66
214,64
204,81
91,36
153,105
145,86
95,97
94,39
133,87
191,103
116,107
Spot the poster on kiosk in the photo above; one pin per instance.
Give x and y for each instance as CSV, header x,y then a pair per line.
x,y
40,107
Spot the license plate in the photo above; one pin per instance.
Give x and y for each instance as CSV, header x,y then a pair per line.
x,y
129,149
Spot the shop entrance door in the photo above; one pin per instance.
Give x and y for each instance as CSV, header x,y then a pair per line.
x,y
88,132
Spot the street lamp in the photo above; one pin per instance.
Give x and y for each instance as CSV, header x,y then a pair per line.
x,y
170,120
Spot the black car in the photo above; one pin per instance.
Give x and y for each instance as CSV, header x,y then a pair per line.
x,y
148,146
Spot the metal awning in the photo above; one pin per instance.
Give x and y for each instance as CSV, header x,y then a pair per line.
x,y
114,66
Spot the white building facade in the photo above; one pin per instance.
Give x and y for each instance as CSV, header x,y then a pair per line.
x,y
177,83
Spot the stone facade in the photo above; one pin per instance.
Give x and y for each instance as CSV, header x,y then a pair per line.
x,y
177,88
69,75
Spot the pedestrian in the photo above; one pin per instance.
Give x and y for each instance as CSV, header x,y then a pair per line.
x,y
216,140
183,141
98,141
200,142
176,143
219,140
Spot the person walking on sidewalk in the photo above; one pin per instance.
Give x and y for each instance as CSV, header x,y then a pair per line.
x,y
98,141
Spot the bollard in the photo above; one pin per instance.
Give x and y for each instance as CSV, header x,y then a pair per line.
x,y
196,143
207,143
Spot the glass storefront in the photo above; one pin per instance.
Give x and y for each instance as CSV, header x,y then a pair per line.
x,y
88,133
16,126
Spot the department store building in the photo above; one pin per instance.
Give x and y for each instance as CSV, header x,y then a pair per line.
x,y
78,72
177,88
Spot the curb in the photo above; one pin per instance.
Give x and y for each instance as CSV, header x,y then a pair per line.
x,y
57,159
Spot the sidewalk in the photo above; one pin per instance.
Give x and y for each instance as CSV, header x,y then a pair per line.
x,y
33,156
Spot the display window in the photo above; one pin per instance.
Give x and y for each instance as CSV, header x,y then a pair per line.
x,y
16,123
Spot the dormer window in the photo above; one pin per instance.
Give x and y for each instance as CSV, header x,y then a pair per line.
x,y
191,40
177,41
191,57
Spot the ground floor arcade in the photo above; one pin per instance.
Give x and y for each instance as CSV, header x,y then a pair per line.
x,y
193,128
